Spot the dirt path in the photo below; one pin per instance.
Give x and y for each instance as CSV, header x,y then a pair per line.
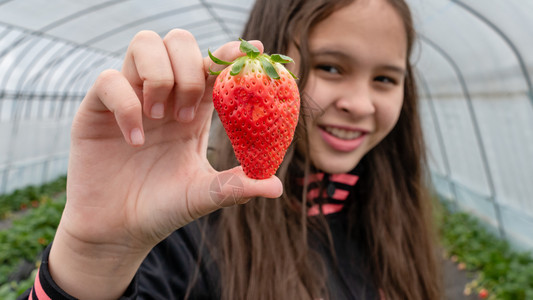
x,y
455,281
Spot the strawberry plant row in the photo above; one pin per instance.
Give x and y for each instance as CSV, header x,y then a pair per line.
x,y
500,272
11,290
25,239
28,197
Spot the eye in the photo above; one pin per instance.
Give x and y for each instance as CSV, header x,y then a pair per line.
x,y
385,79
329,69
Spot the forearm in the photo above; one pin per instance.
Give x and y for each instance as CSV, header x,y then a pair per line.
x,y
92,271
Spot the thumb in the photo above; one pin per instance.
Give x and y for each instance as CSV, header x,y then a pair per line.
x,y
231,187
234,187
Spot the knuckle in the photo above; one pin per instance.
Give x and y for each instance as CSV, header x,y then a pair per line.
x,y
106,77
108,74
180,34
146,36
127,109
191,88
159,83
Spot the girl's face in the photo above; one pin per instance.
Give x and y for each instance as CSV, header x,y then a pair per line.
x,y
356,82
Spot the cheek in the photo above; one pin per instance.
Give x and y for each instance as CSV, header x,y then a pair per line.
x,y
388,115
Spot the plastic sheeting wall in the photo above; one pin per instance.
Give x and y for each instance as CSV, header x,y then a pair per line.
x,y
41,84
474,68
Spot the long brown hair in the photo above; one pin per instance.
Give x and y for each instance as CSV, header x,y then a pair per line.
x,y
262,249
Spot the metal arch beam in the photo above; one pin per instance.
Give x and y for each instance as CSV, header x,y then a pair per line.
x,y
57,57
17,106
19,90
33,62
84,71
56,23
188,26
440,137
213,42
475,124
77,76
21,85
127,26
83,56
88,79
80,13
4,33
233,8
4,2
2,91
506,39
87,44
114,31
54,62
47,81
27,32
177,11
218,19
70,69
21,56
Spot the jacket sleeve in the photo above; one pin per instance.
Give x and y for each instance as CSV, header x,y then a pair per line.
x,y
179,267
44,287
173,269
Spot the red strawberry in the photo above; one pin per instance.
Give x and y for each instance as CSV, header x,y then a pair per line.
x,y
483,294
258,102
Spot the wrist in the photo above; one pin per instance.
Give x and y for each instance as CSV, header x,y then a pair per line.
x,y
92,271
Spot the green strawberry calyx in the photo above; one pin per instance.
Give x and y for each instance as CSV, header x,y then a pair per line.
x,y
267,61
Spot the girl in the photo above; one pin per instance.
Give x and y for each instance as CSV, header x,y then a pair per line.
x,y
350,218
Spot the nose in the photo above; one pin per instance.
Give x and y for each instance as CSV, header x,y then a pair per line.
x,y
356,100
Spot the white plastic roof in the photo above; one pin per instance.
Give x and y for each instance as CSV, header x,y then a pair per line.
x,y
474,62
76,39
480,36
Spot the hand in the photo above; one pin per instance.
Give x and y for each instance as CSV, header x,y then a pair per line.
x,y
138,168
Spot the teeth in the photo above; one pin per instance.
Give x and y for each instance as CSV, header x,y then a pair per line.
x,y
343,133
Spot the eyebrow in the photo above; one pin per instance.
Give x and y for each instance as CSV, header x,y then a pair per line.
x,y
344,56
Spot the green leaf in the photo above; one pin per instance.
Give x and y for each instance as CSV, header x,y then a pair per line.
x,y
237,67
211,72
280,58
217,60
293,76
269,68
250,50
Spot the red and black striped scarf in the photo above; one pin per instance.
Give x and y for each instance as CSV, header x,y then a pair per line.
x,y
329,192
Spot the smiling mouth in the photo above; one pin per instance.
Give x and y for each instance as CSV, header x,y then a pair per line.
x,y
342,134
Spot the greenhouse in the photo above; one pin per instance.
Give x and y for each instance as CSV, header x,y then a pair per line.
x,y
473,64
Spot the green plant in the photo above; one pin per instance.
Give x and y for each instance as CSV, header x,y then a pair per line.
x,y
11,290
29,197
28,235
500,272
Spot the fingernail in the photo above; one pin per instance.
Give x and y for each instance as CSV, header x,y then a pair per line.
x,y
136,137
186,114
158,111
